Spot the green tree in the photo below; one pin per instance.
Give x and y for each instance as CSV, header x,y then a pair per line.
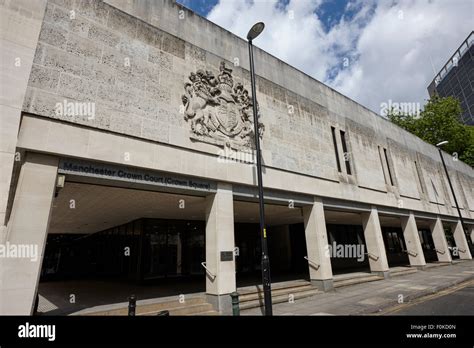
x,y
439,121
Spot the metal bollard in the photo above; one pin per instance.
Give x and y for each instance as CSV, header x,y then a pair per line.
x,y
235,303
163,313
132,305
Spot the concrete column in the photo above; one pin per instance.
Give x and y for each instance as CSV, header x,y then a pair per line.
x,y
412,241
319,260
461,241
27,229
471,232
374,243
220,238
440,242
20,27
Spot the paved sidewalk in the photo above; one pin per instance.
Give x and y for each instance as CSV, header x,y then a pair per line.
x,y
368,298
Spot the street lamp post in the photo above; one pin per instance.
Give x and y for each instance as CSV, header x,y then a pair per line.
x,y
451,187
267,289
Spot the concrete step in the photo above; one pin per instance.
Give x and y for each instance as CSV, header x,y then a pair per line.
x,y
455,261
437,264
208,313
276,286
195,309
278,299
400,272
250,296
356,280
156,307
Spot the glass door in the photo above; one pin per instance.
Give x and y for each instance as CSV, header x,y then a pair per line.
x,y
173,248
155,250
172,255
192,248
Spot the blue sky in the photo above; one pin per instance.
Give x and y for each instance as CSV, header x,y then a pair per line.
x,y
330,11
202,7
373,51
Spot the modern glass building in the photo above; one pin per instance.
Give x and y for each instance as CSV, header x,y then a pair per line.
x,y
456,79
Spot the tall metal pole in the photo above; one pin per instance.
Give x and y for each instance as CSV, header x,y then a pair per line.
x,y
267,290
454,196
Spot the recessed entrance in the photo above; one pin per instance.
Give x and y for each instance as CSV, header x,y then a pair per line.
x,y
427,244
394,241
347,242
395,246
286,243
286,248
106,243
172,248
140,251
453,248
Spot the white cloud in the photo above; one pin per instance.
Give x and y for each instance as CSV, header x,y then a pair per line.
x,y
393,47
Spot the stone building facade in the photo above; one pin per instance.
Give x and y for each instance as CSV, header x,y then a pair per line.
x,y
146,95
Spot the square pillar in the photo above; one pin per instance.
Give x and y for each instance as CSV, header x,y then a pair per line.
x,y
27,228
319,259
440,242
471,232
374,243
21,26
412,241
461,241
220,274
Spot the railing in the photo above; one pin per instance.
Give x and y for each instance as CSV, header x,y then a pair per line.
x,y
312,263
440,252
212,275
461,250
458,55
372,256
411,253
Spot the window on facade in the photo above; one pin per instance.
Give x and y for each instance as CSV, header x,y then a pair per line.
x,y
334,141
418,174
381,162
388,166
346,153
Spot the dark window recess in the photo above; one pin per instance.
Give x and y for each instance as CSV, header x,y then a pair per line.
x,y
334,141
418,174
388,166
346,153
381,162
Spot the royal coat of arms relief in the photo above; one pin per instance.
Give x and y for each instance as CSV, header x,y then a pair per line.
x,y
219,112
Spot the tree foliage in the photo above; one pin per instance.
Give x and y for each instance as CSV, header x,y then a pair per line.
x,y
439,121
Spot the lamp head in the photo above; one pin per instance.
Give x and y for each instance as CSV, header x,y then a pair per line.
x,y
441,143
255,31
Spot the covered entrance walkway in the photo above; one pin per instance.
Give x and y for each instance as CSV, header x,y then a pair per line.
x,y
106,243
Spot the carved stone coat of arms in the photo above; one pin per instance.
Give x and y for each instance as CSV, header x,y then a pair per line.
x,y
219,111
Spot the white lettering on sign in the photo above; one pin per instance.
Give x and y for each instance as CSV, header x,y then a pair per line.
x,y
111,172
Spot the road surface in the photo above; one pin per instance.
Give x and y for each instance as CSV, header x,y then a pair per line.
x,y
454,301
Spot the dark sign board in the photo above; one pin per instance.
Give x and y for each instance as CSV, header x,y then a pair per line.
x,y
227,256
